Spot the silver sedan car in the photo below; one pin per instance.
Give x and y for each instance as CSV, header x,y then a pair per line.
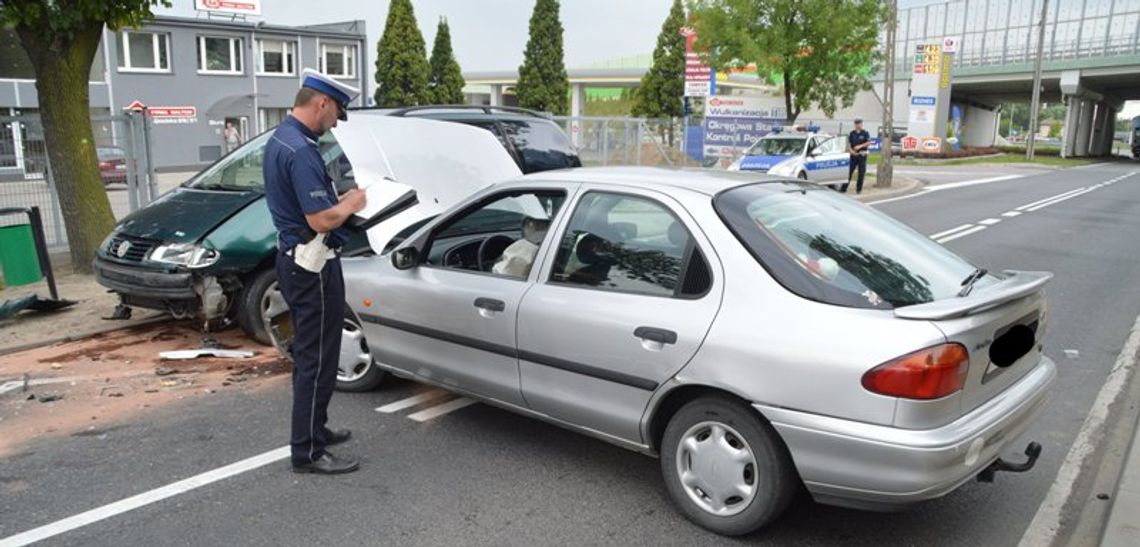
x,y
755,333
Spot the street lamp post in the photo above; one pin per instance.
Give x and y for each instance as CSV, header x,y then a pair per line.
x,y
884,172
1036,103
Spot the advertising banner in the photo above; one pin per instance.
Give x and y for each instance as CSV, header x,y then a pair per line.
x,y
930,94
733,123
700,79
233,7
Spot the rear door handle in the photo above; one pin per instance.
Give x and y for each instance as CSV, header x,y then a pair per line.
x,y
490,304
654,334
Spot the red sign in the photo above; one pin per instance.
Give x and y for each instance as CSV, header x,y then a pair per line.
x,y
173,112
910,143
136,106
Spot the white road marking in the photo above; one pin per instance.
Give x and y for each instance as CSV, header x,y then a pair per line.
x,y
950,231
1050,198
948,186
440,410
146,498
1056,201
1046,523
973,230
989,221
412,401
1011,214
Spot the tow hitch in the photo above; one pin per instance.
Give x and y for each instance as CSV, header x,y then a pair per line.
x,y
1032,451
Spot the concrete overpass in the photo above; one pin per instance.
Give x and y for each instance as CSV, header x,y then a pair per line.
x,y
1091,61
500,81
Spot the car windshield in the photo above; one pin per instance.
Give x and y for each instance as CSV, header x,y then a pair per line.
x,y
242,170
831,249
778,146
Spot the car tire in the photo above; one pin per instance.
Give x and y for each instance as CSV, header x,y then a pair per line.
x,y
752,456
366,374
251,303
802,175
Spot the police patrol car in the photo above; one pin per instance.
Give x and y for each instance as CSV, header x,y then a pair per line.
x,y
798,152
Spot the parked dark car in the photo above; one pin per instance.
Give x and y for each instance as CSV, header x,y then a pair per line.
x,y
206,249
112,164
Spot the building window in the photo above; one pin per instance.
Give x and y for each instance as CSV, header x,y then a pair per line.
x,y
268,118
219,55
144,51
276,57
338,60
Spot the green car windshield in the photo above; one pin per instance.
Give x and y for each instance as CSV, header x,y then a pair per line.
x,y
241,171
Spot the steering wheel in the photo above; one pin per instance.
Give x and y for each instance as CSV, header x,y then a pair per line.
x,y
491,248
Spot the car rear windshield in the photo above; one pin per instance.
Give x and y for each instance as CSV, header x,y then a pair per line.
x,y
542,145
831,249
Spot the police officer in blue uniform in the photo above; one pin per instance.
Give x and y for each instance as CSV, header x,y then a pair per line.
x,y
858,143
309,218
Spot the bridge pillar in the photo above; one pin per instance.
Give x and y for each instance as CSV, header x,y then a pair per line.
x,y
577,99
1084,128
497,95
1109,132
1102,132
1069,131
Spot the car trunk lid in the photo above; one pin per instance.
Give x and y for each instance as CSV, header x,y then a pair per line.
x,y
1000,324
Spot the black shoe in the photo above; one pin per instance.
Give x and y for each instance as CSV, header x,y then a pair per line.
x,y
327,465
336,436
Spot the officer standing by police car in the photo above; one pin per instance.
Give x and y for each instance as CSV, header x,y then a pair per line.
x,y
309,219
858,142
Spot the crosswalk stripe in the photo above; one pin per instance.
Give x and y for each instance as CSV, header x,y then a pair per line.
x,y
439,410
412,401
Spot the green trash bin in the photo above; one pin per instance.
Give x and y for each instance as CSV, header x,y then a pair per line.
x,y
18,256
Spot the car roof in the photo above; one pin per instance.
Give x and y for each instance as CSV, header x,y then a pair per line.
x,y
700,181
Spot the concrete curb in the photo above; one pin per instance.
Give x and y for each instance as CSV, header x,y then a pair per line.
x,y
83,335
909,185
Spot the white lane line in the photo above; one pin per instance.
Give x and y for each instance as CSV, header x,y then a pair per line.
x,y
989,221
1091,165
440,410
1050,198
950,231
973,230
948,186
1056,201
1011,214
411,401
1046,523
146,498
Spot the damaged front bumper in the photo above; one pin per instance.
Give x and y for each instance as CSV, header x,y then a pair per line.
x,y
179,292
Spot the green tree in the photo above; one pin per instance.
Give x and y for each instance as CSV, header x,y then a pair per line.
x,y
1055,129
401,60
822,50
60,39
446,83
662,90
543,84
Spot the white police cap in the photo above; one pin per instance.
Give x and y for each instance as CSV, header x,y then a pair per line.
x,y
338,91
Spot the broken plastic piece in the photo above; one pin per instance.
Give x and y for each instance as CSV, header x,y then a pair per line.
x,y
205,352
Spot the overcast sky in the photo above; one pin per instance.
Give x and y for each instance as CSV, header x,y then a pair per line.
x,y
491,34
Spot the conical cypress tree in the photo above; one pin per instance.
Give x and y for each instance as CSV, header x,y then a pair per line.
x,y
401,61
446,82
543,84
662,90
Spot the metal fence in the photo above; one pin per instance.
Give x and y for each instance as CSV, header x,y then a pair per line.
x,y
628,141
122,144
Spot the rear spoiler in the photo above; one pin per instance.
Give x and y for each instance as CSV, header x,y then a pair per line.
x,y
1015,285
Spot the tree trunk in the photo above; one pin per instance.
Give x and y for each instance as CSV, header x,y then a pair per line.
x,y
788,90
62,70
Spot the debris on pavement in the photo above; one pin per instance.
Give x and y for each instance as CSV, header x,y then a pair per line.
x,y
1072,353
185,354
49,397
164,371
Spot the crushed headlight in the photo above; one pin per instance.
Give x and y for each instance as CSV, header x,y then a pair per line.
x,y
185,254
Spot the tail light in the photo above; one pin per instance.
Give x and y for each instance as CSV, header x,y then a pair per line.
x,y
925,374
105,165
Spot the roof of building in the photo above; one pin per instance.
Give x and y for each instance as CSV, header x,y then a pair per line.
x,y
353,30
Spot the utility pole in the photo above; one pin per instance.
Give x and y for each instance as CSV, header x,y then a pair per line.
x,y
1036,103
884,172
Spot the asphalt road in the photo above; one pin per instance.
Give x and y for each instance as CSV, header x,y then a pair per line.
x,y
481,476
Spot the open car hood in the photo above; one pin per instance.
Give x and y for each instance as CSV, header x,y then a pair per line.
x,y
412,169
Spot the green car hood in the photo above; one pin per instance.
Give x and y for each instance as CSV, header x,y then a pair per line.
x,y
185,215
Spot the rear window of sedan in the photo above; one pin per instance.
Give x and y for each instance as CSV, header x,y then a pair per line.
x,y
831,249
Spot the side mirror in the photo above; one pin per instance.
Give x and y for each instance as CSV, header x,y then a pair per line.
x,y
405,258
